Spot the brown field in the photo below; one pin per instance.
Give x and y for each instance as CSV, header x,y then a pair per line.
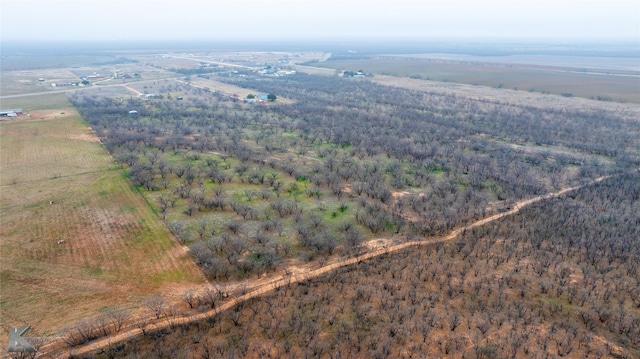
x,y
541,79
26,81
613,65
117,90
17,82
225,59
538,100
144,71
165,62
76,237
312,70
227,89
217,86
45,102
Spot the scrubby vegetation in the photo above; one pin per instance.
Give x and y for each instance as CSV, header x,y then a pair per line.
x,y
560,279
252,188
246,185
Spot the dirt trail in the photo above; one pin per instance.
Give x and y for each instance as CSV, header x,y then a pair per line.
x,y
132,90
260,286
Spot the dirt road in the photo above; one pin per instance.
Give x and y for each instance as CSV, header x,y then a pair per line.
x,y
262,286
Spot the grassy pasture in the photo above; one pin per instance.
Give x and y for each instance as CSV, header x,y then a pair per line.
x,y
552,80
76,238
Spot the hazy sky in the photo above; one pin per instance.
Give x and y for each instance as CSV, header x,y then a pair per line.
x,y
300,19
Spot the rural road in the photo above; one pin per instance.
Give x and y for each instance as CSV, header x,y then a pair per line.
x,y
58,349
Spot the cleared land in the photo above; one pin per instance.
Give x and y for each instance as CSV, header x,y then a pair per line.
x,y
26,81
622,65
224,60
543,79
76,238
16,82
504,95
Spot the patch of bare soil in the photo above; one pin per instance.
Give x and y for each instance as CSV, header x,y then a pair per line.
x,y
51,114
228,90
378,243
83,137
400,194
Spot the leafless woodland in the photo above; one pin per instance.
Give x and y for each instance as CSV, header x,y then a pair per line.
x,y
558,279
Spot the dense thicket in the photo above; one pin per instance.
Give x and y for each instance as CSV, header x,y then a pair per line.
x,y
559,279
247,185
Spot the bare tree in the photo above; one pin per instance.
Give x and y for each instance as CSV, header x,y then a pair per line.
x,y
119,318
156,304
189,297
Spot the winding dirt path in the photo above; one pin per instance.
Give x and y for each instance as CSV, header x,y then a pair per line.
x,y
259,287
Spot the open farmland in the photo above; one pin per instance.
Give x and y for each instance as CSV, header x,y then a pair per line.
x,y
226,58
17,82
568,81
77,240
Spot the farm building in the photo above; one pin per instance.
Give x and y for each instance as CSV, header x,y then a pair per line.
x,y
11,112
